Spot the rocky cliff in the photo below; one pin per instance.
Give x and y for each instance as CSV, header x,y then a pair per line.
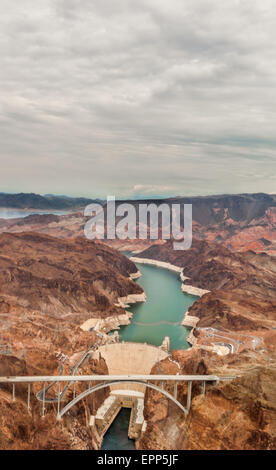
x,y
239,312
242,285
241,222
236,415
48,288
24,430
40,272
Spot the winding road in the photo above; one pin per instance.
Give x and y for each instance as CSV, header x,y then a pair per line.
x,y
41,395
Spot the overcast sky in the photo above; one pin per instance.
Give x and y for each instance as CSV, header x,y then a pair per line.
x,y
131,97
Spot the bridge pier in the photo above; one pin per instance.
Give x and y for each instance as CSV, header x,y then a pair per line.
x,y
175,390
189,395
58,409
103,381
29,398
43,402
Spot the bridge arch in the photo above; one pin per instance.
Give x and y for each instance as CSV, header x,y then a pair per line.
x,y
116,382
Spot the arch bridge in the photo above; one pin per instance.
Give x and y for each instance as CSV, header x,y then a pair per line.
x,y
103,381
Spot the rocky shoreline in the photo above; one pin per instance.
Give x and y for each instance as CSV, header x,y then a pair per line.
x,y
131,299
160,264
105,325
194,290
188,320
134,276
189,289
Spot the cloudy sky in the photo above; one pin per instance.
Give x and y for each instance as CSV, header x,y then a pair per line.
x,y
132,97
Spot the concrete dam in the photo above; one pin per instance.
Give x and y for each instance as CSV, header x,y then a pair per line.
x,y
140,347
125,359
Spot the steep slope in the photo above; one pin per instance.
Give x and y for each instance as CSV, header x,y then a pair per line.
x,y
241,222
242,285
236,415
51,275
48,287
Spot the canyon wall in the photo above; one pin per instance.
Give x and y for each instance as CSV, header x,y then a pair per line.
x,y
236,415
40,272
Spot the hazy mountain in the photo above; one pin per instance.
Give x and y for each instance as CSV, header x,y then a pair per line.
x,y
36,201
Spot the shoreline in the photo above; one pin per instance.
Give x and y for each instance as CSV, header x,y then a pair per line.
x,y
130,299
114,323
188,288
105,325
192,290
189,321
159,264
134,276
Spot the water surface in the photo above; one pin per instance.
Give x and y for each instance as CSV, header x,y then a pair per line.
x,y
159,316
16,213
116,437
162,312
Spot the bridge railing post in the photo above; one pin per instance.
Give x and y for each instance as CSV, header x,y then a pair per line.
x,y
204,387
13,392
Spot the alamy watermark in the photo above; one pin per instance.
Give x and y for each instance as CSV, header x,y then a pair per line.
x,y
140,221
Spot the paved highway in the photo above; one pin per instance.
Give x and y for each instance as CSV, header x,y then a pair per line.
x,y
102,378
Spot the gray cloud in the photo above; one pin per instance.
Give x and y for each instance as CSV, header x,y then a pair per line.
x,y
122,97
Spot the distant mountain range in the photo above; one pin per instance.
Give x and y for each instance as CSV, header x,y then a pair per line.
x,y
212,209
47,202
239,206
241,222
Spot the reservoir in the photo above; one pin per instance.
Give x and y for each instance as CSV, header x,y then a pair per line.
x,y
163,311
17,213
152,320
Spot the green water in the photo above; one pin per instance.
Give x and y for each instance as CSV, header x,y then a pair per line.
x,y
165,303
116,437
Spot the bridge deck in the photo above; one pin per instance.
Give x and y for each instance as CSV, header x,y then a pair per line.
x,y
102,378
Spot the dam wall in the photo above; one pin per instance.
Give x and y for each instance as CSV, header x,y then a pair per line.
x,y
126,359
130,358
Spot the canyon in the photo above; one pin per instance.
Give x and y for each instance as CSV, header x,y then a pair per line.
x,y
60,295
79,277
240,222
49,288
238,312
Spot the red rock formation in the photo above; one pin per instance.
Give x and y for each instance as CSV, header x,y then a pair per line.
x,y
232,415
48,288
240,222
25,430
243,285
57,276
